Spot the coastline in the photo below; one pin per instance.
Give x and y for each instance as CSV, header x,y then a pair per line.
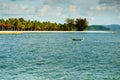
x,y
11,32
21,32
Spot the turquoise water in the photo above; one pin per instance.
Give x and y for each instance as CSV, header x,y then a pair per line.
x,y
54,56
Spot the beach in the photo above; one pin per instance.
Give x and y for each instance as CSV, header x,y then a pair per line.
x,y
21,32
11,32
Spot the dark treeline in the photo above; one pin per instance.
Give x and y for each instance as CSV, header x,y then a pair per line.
x,y
19,24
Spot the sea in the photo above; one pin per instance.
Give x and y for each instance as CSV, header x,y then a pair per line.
x,y
55,56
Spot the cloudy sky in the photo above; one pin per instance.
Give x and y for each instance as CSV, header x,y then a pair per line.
x,y
96,11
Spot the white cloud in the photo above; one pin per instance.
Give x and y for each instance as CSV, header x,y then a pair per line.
x,y
56,2
59,9
45,8
12,6
92,18
23,0
72,8
102,8
118,17
48,11
16,9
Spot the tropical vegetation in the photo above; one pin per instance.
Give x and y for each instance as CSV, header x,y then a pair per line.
x,y
20,24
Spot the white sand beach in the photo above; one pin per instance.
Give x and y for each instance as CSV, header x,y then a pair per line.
x,y
21,32
11,32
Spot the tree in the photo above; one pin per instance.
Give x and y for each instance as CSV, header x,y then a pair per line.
x,y
2,24
21,24
81,24
21,19
70,23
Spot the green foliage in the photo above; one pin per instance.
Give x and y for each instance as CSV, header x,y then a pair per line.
x,y
70,24
97,27
19,24
81,24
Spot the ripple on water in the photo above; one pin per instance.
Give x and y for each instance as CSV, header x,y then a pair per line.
x,y
56,57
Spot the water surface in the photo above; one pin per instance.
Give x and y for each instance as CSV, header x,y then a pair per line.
x,y
54,56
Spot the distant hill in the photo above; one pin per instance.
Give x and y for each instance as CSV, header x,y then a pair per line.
x,y
112,27
98,28
115,27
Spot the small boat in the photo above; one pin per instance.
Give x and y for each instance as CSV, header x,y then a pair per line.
x,y
76,39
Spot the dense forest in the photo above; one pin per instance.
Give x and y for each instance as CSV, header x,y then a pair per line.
x,y
20,24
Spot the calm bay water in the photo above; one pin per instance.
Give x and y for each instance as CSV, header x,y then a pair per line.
x,y
54,56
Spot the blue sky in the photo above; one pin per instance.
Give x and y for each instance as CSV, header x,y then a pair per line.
x,y
96,11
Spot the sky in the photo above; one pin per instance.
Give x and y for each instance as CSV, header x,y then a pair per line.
x,y
97,12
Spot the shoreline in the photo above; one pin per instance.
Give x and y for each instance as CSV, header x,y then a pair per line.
x,y
21,32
